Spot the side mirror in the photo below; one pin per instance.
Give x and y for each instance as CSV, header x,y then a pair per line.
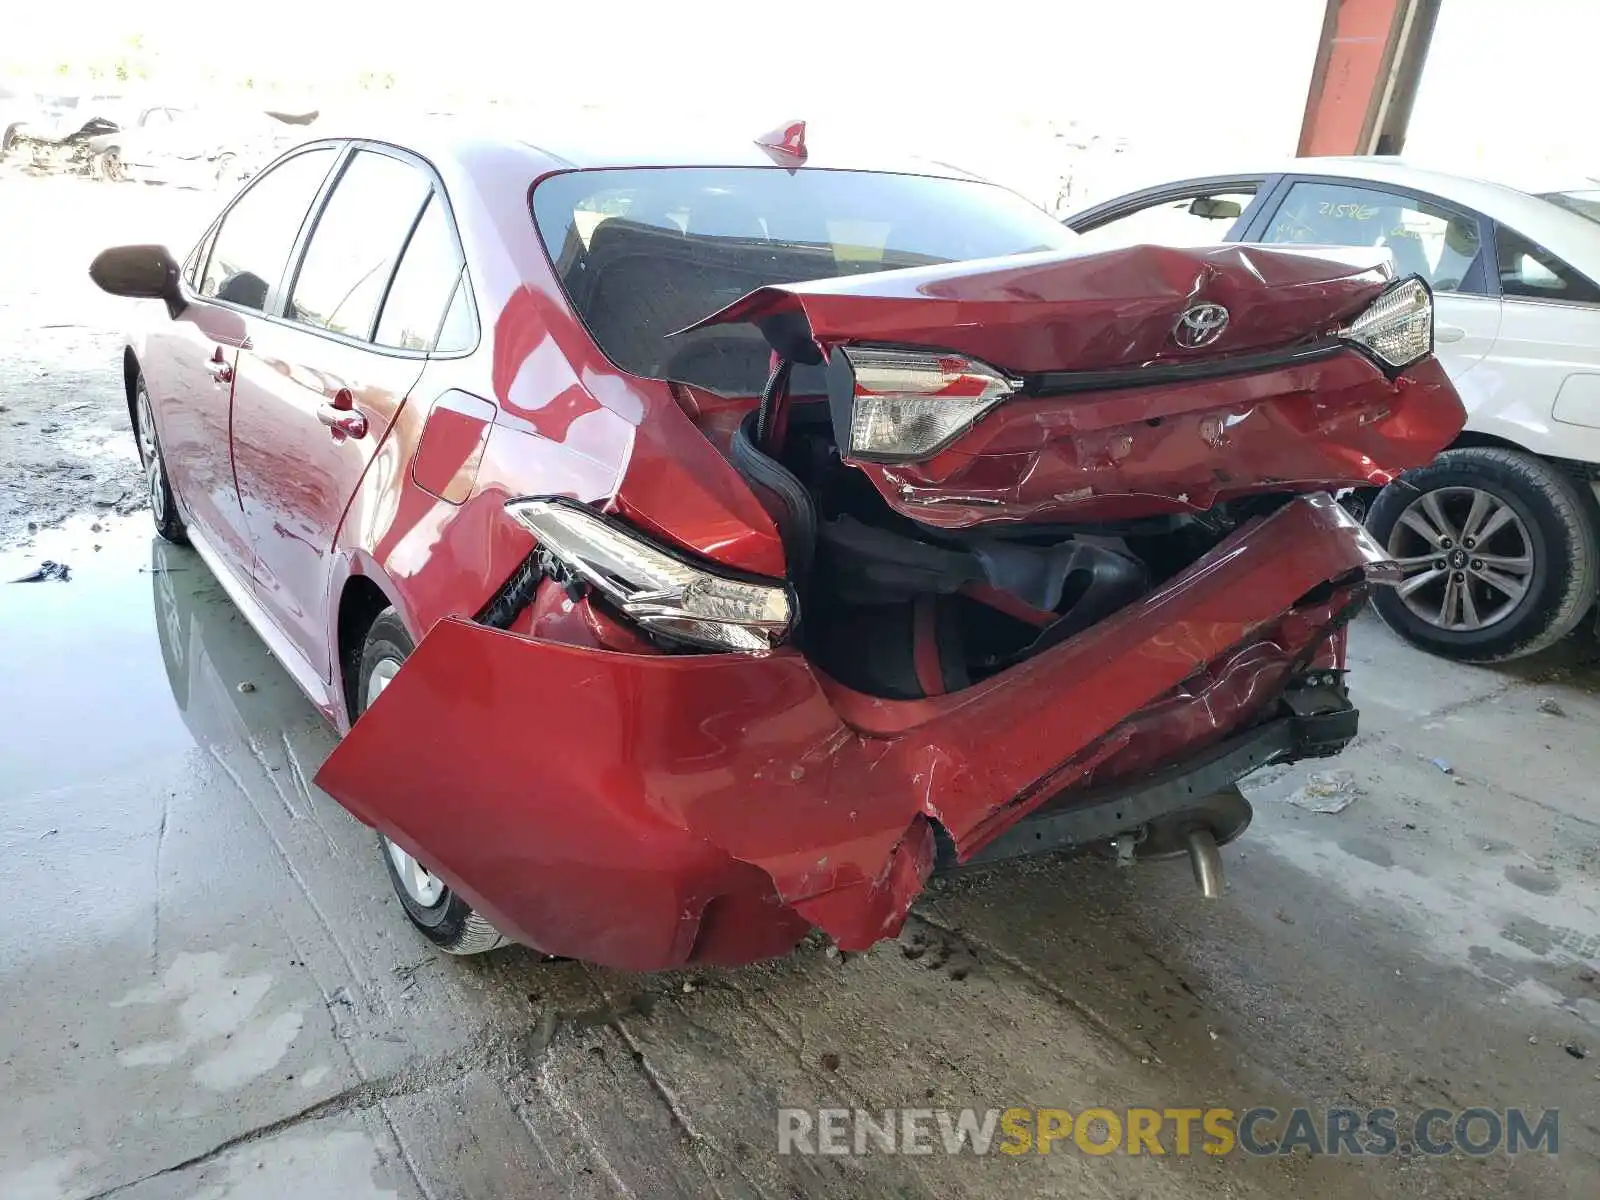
x,y
1215,210
141,272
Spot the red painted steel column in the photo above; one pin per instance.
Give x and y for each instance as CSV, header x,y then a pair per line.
x,y
1368,63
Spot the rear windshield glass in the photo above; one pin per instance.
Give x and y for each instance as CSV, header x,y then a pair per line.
x,y
642,253
1585,204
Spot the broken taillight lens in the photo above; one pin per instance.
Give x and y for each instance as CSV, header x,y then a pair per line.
x,y
661,591
910,404
1397,327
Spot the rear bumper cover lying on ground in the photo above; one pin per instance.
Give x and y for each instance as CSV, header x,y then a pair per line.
x,y
644,811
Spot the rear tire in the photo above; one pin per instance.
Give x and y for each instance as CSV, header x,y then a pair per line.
x,y
1517,590
440,915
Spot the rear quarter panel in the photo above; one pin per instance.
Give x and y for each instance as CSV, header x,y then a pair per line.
x,y
566,422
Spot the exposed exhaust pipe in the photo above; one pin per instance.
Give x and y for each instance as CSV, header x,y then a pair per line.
x,y
1206,860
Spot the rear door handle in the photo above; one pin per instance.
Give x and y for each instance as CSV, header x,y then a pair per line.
x,y
1448,333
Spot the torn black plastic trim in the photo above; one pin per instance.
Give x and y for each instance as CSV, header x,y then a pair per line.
x,y
514,595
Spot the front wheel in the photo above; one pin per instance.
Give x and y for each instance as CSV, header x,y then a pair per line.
x,y
163,508
107,166
441,916
1497,550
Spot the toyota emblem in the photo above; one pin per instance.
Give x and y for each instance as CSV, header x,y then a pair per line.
x,y
1200,325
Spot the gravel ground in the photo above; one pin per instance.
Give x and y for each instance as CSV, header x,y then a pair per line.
x,y
210,991
65,441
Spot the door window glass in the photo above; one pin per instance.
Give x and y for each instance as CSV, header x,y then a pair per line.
x,y
1532,271
1425,240
250,250
357,239
1585,203
197,258
1192,220
423,284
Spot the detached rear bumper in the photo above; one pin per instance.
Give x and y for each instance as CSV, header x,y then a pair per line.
x,y
1199,792
645,811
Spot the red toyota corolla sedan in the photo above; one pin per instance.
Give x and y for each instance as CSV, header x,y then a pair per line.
x,y
697,549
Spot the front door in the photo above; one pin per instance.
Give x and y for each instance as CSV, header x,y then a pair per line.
x,y
191,362
313,396
188,368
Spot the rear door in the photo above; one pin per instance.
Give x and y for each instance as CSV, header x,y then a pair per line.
x,y
315,394
1548,352
1445,244
1196,212
189,362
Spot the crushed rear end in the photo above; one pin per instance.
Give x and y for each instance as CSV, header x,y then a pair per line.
x,y
1063,561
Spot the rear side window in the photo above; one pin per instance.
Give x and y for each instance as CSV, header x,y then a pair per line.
x,y
643,253
423,285
356,242
1532,272
1441,246
253,243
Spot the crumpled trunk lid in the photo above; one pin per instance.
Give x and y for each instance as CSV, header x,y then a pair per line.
x,y
1054,311
1151,380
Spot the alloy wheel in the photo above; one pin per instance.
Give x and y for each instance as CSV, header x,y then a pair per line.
x,y
1466,558
150,457
421,884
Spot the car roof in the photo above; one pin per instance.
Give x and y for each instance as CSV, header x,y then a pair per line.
x,y
1475,191
585,142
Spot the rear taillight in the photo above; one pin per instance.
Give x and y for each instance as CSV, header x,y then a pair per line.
x,y
661,590
1397,328
910,404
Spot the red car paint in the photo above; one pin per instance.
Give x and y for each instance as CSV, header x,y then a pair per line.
x,y
1120,451
686,767
1053,311
646,810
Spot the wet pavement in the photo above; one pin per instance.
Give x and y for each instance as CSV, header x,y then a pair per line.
x,y
212,991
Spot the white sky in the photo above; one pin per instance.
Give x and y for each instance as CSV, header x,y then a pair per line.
x,y
1000,86
983,82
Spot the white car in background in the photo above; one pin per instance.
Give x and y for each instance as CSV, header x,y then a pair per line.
x,y
1499,536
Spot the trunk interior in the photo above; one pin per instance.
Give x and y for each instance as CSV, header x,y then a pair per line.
x,y
901,610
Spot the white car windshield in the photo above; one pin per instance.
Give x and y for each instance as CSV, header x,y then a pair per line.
x,y
1584,203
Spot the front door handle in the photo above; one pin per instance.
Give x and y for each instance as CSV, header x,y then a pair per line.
x,y
340,415
1448,333
342,422
220,368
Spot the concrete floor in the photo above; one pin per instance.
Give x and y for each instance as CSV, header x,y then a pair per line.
x,y
211,991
